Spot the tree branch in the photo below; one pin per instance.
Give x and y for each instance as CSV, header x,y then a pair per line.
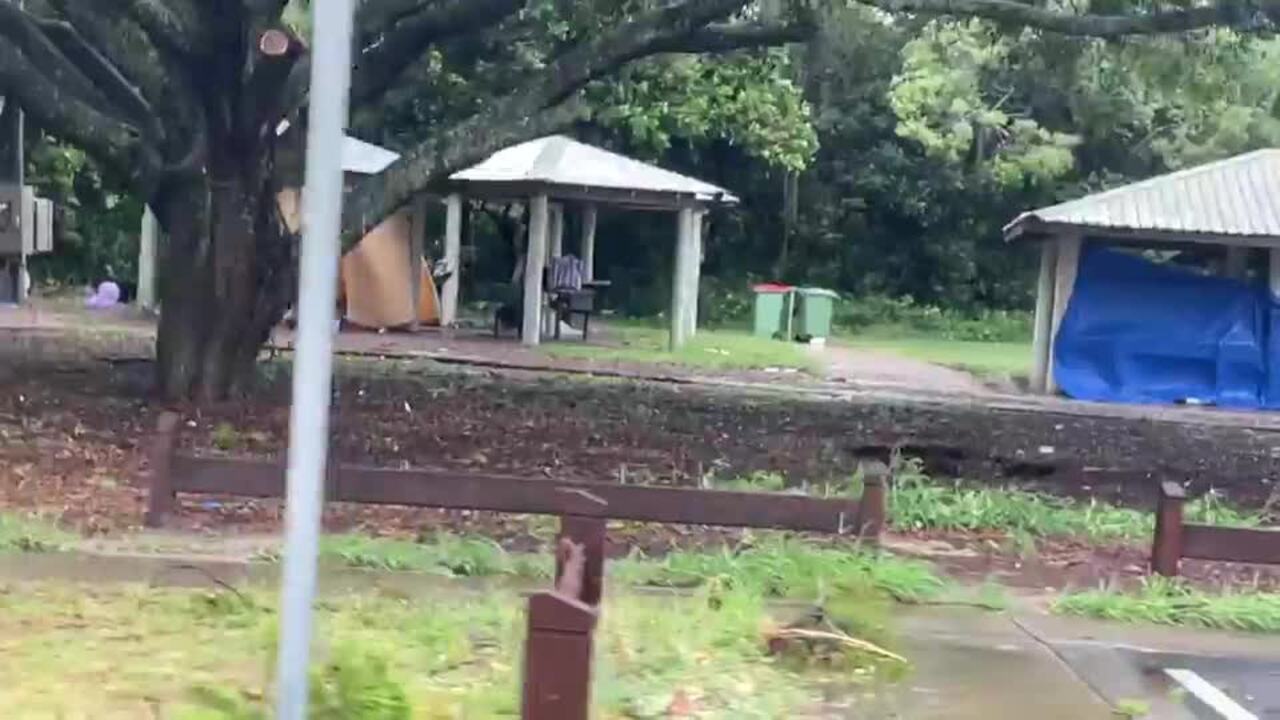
x,y
167,30
376,16
538,110
382,63
122,93
98,24
28,36
727,37
1223,14
377,197
107,139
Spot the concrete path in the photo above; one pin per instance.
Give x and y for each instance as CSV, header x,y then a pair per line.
x,y
869,370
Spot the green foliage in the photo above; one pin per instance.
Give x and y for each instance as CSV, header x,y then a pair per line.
x,y
858,313
744,99
357,685
1132,709
918,503
95,227
33,534
1167,601
944,100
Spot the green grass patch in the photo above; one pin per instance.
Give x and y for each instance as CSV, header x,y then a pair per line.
x,y
710,349
917,503
123,652
1169,602
780,566
979,357
444,554
770,565
31,533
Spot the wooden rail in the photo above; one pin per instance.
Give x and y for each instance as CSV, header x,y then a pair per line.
x,y
561,623
1176,539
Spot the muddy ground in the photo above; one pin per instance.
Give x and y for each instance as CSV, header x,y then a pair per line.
x,y
72,429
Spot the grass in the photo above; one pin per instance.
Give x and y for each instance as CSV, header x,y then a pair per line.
x,y
29,533
1169,602
446,555
981,358
916,503
710,349
783,567
72,651
771,565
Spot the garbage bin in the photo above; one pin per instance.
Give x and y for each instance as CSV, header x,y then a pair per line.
x,y
772,310
816,308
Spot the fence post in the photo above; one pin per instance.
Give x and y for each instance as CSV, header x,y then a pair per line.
x,y
589,533
557,658
871,507
160,492
1166,547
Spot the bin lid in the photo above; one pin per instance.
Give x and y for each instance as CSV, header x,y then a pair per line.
x,y
772,288
822,292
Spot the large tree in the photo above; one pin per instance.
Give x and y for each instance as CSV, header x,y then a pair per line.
x,y
181,101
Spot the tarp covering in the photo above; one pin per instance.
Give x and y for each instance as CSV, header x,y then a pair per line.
x,y
1139,332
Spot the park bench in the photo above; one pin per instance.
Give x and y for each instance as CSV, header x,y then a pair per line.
x,y
561,622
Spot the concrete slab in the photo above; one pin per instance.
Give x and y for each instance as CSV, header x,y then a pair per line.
x,y
979,665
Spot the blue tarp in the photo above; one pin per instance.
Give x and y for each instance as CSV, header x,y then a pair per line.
x,y
1140,332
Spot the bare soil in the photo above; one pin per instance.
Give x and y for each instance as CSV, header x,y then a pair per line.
x,y
73,429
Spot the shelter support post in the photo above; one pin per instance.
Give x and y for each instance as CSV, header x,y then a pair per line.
x,y
452,259
417,246
1044,318
1273,272
534,262
693,277
557,231
148,242
588,250
684,259
1066,268
1237,262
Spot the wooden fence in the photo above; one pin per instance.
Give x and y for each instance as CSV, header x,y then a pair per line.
x,y
1176,539
561,622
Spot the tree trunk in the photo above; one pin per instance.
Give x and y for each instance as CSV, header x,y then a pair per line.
x,y
228,276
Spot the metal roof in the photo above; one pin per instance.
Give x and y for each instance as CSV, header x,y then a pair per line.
x,y
365,158
1239,196
563,161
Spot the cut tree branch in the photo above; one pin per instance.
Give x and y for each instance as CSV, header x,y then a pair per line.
x,y
1223,14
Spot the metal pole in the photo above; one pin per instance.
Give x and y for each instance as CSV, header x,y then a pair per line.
x,y
12,171
313,363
